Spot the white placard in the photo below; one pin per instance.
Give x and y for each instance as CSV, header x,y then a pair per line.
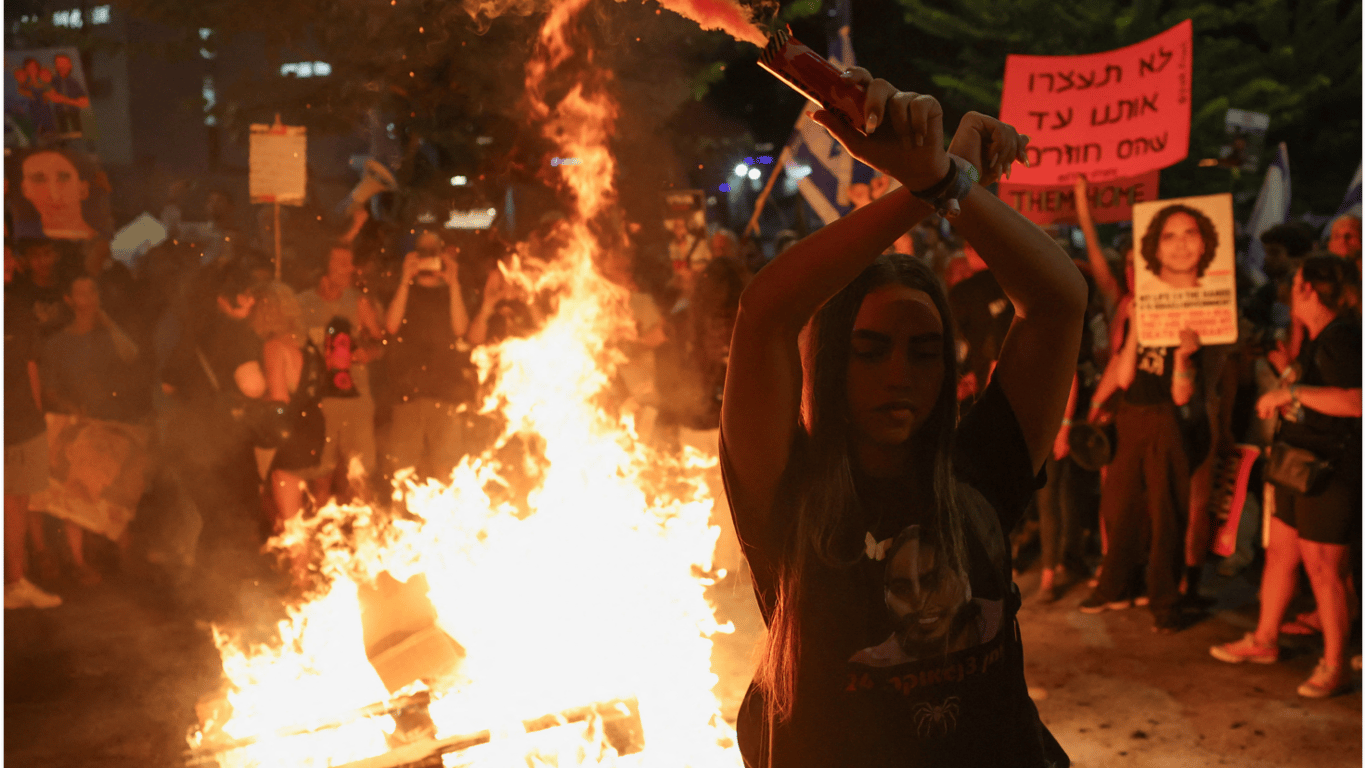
x,y
1183,270
278,164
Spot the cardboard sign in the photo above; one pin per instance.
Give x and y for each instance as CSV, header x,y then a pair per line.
x,y
98,470
278,170
1183,270
1245,138
1108,115
1110,201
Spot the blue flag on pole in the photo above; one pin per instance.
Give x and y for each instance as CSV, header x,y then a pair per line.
x,y
1272,208
821,167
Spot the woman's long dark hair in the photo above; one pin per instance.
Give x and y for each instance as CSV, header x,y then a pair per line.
x,y
819,483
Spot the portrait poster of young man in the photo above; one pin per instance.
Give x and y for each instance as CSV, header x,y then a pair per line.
x,y
1184,271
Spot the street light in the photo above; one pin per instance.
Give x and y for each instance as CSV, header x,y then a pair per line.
x,y
741,170
754,173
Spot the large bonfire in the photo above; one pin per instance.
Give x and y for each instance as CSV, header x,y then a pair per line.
x,y
587,592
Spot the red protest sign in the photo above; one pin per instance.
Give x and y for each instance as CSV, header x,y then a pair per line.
x,y
1110,201
1108,115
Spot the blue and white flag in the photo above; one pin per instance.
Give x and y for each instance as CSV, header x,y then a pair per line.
x,y
1272,208
822,169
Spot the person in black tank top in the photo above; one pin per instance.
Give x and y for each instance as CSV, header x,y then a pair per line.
x,y
1321,413
1147,483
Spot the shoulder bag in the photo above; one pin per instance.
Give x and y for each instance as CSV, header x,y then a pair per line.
x,y
1297,469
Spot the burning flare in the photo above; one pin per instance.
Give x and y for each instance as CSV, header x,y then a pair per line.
x,y
727,16
587,595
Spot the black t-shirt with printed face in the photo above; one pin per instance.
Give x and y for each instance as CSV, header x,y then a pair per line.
x,y
1331,359
906,661
1152,383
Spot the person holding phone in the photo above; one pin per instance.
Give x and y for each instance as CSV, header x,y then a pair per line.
x,y
426,322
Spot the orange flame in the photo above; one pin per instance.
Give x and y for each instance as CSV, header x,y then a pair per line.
x,y
596,594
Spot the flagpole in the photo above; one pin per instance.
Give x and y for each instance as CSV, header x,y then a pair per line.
x,y
763,196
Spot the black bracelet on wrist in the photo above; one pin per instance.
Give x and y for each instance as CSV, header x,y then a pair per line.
x,y
945,195
939,186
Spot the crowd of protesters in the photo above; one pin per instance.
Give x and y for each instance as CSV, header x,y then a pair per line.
x,y
265,399
1144,471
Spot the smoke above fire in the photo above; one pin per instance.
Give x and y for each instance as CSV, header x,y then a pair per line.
x,y
727,16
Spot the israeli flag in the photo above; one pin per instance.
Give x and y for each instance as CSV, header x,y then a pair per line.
x,y
821,168
1273,205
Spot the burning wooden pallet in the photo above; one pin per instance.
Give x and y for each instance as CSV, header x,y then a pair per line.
x,y
619,721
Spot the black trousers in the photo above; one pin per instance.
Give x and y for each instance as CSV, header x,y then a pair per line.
x,y
1143,503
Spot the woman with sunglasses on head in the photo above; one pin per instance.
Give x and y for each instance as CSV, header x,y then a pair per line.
x,y
871,517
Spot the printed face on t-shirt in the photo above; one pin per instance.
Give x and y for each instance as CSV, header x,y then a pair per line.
x,y
896,364
924,596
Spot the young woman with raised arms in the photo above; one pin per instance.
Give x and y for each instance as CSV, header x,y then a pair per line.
x,y
871,516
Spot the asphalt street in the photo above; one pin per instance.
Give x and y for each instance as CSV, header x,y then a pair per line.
x,y
111,677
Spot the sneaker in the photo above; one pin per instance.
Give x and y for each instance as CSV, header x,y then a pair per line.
x,y
1326,681
25,594
1094,604
1246,649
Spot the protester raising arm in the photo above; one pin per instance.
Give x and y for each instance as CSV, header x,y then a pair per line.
x,y
1119,374
761,404
763,384
1100,269
495,290
460,317
393,319
1039,355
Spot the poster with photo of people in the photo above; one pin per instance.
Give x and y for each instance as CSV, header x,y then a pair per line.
x,y
47,97
1184,270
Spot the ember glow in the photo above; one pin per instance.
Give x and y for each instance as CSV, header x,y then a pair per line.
x,y
590,591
